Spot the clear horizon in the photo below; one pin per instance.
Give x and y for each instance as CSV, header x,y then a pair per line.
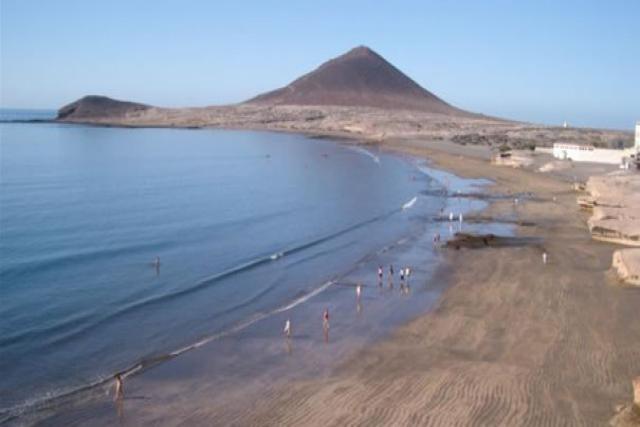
x,y
543,62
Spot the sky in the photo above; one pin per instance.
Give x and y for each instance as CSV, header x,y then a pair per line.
x,y
538,61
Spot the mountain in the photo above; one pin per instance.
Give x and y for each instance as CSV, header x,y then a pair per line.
x,y
98,107
359,77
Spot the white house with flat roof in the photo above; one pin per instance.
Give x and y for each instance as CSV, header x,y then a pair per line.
x,y
589,153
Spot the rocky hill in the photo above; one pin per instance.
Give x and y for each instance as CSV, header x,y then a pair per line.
x,y
98,107
358,78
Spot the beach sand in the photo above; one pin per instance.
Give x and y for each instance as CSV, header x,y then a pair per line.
x,y
512,341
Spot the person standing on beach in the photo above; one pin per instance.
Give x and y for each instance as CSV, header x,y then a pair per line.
x,y
325,324
287,328
460,218
119,392
358,291
544,257
380,275
450,216
390,275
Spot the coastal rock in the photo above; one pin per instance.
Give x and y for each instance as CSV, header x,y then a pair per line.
x,y
626,263
555,165
615,201
512,159
629,415
478,241
98,107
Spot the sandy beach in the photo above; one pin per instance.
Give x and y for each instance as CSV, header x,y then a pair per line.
x,y
326,215
511,342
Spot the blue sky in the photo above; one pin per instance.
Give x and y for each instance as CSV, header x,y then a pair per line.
x,y
542,61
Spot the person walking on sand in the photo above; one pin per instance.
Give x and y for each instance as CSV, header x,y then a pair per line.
x,y
390,275
287,328
544,257
380,275
450,216
119,392
358,291
460,218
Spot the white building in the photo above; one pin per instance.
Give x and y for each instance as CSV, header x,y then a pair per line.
x,y
588,153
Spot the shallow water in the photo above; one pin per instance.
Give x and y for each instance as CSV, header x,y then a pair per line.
x,y
250,228
244,223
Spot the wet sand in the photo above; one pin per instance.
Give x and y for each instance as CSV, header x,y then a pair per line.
x,y
511,342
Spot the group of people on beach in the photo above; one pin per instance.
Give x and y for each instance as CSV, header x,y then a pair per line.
x,y
404,287
404,277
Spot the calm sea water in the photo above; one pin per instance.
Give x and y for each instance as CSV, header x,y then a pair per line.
x,y
244,224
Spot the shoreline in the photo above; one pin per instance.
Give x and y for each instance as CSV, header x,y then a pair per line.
x,y
373,338
472,362
508,342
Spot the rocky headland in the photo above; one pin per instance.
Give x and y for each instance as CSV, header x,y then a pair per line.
x,y
357,95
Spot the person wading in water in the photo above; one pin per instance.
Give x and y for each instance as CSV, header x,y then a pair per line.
x,y
325,324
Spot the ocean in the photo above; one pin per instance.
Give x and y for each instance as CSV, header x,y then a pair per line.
x,y
247,227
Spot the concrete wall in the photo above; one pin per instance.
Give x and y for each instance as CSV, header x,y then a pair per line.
x,y
588,154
